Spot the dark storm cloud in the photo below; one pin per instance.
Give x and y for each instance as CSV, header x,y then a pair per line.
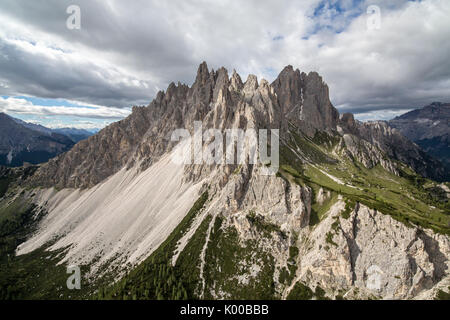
x,y
126,51
136,32
56,78
137,45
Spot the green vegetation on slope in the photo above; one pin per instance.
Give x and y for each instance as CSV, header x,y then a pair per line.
x,y
4,184
241,269
385,192
262,225
315,150
318,210
408,198
442,295
35,275
303,292
300,292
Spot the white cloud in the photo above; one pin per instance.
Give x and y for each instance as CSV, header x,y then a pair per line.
x,y
87,125
25,107
386,114
124,53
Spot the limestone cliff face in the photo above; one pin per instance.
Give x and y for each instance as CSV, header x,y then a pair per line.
x,y
366,254
220,101
304,100
372,254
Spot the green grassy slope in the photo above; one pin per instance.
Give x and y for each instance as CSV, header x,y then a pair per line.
x,y
408,197
35,275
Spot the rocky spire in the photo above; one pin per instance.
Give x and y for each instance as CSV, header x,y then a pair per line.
x,y
202,90
316,102
221,82
348,123
250,85
288,87
202,74
236,81
304,100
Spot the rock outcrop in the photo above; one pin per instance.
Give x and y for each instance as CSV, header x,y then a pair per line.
x,y
372,255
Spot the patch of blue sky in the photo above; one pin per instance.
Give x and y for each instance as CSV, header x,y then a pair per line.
x,y
58,119
270,73
339,6
334,15
278,38
59,49
51,102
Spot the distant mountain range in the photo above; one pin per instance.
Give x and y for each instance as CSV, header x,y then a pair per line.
x,y
429,128
74,134
22,142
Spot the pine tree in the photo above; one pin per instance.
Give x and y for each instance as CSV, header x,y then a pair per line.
x,y
174,293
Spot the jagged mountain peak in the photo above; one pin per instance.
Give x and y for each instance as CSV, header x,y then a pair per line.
x,y
251,84
236,81
202,73
294,99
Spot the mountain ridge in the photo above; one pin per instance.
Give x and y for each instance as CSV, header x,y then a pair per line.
x,y
74,134
342,209
19,144
296,97
428,127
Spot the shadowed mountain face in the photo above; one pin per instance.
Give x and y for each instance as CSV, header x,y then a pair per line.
x,y
429,127
19,144
76,135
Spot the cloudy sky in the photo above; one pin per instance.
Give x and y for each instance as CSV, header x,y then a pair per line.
x,y
125,51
